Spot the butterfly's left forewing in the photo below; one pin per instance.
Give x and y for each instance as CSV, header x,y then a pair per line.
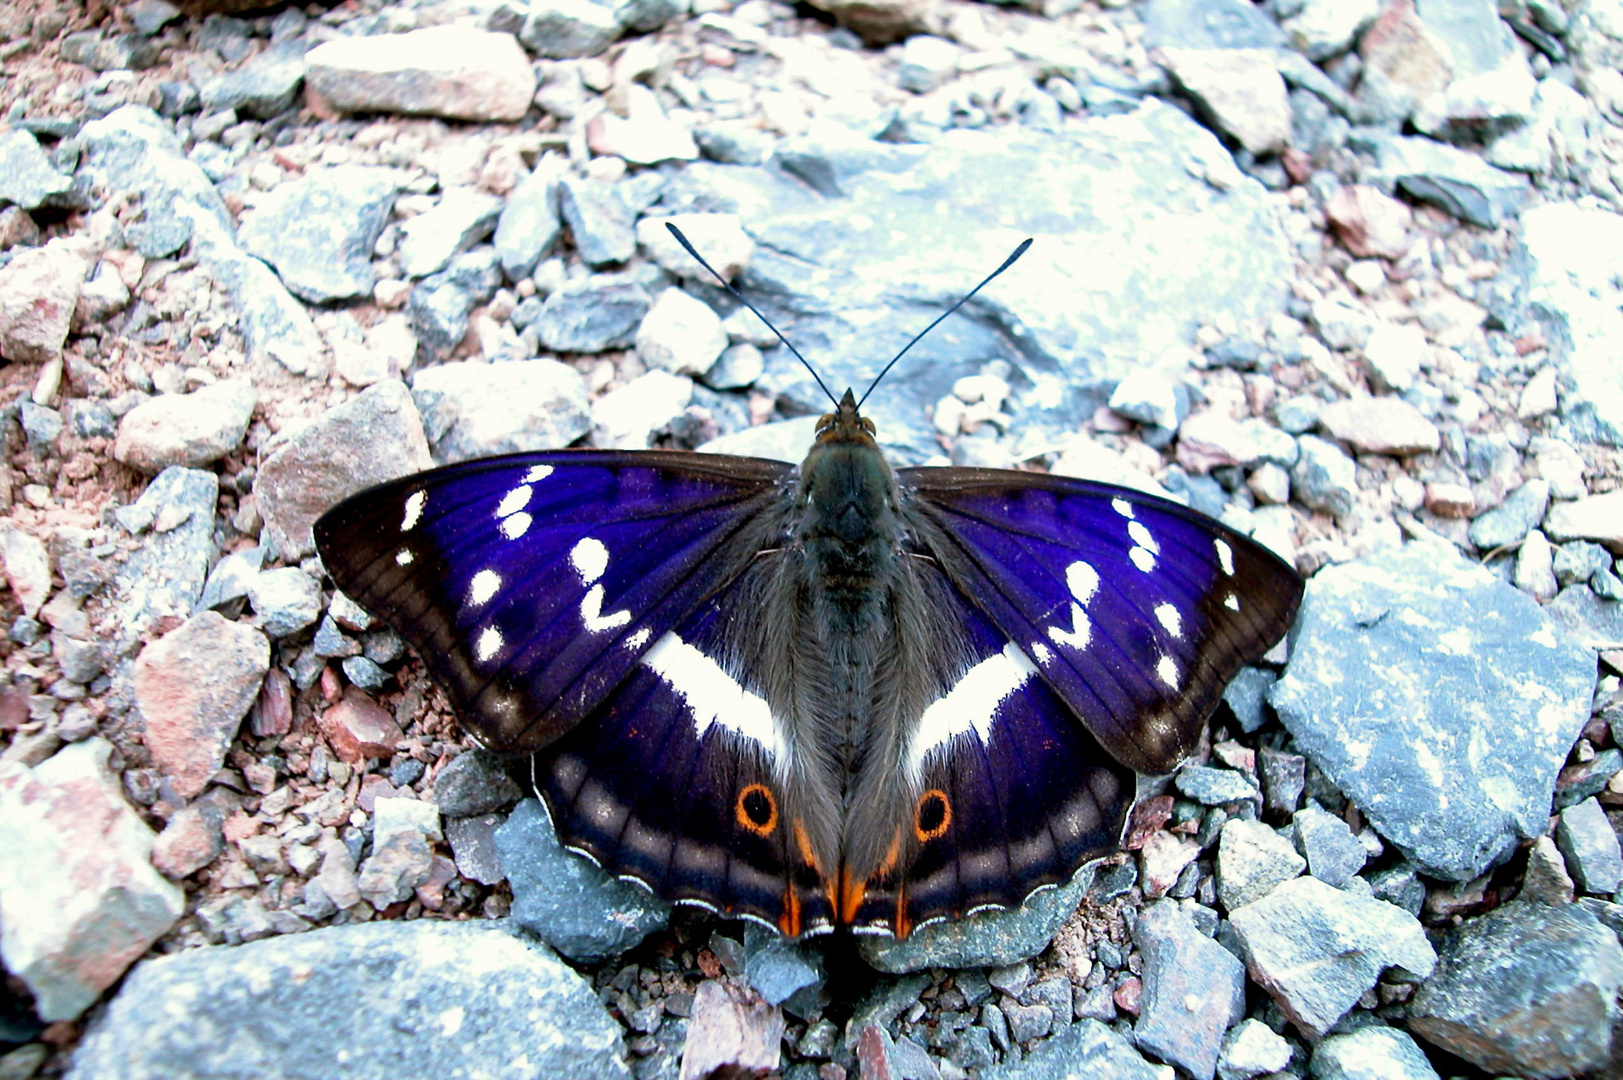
x,y
531,584
1135,610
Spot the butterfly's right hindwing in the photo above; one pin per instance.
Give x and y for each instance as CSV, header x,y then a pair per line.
x,y
531,584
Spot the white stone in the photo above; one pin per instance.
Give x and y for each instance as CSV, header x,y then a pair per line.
x,y
680,334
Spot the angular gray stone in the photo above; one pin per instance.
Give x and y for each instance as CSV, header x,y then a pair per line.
x,y
456,1000
565,29
1458,181
570,903
1216,787
285,600
1324,477
1512,519
474,783
1250,1049
462,218
318,231
170,552
441,303
599,219
262,87
529,223
1528,990
1371,1053
27,177
778,967
1439,699
1574,258
78,894
133,149
592,316
1333,853
473,410
375,436
680,334
1087,1048
1209,24
1589,843
1251,860
1194,989
1316,949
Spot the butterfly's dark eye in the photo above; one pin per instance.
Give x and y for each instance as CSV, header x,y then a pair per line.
x,y
933,815
757,810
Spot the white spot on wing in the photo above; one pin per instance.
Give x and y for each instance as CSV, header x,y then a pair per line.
x,y
1042,652
589,558
591,613
1167,669
414,510
972,703
1123,507
537,473
514,501
1225,555
1142,537
515,526
1142,558
483,587
488,644
1080,633
1168,617
712,695
403,557
638,638
1231,602
1083,581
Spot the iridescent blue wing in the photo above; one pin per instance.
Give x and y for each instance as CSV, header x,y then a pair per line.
x,y
530,584
1136,611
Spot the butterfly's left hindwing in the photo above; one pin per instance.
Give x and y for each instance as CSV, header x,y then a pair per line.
x,y
531,584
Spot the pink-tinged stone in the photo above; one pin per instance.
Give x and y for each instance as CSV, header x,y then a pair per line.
x,y
190,841
1450,500
359,728
1404,62
1597,517
194,686
644,136
79,900
733,1030
1383,425
1211,439
28,567
1241,90
1369,223
1163,857
1128,995
38,290
453,71
193,429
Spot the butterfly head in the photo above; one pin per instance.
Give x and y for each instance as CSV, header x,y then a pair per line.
x,y
846,425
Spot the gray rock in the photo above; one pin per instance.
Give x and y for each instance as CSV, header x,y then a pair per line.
x,y
737,367
642,16
122,52
1250,1049
1399,885
1439,699
151,16
1324,477
1316,949
1512,519
474,783
440,304
1589,842
1194,989
599,219
373,437
564,29
39,289
79,896
457,1000
1586,618
473,845
261,88
1087,1048
1527,990
473,410
680,334
1151,397
817,245
529,224
1459,182
231,577
1247,696
1283,778
779,968
1209,24
629,417
1572,268
462,218
27,177
1578,561
1371,1053
1216,787
193,429
1251,860
592,316
169,560
566,900
285,600
318,231
1333,853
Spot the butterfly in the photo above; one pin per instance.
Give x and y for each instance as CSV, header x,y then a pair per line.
x,y
834,696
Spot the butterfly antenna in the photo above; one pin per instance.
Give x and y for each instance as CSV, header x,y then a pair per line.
x,y
1019,251
725,284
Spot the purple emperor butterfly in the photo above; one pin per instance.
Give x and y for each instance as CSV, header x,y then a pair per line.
x,y
839,695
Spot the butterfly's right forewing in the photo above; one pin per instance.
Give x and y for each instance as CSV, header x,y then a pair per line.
x,y
531,584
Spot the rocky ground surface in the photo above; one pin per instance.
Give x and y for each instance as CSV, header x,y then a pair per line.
x,y
1346,274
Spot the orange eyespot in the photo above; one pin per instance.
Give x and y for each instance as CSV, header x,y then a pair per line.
x,y
757,810
932,816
